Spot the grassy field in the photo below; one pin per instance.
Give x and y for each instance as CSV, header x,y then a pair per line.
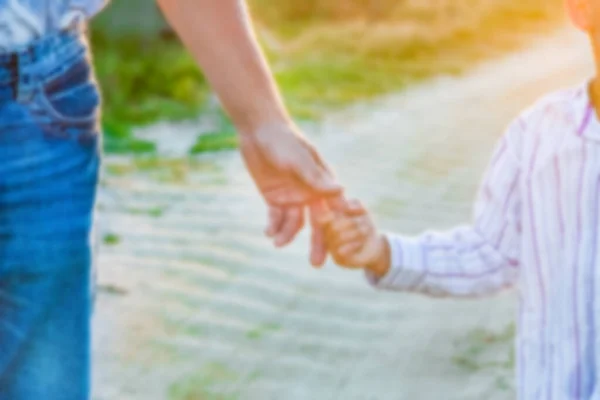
x,y
325,54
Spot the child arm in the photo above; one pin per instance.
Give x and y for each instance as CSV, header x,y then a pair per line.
x,y
468,261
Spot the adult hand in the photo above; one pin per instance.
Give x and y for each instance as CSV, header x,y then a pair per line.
x,y
290,175
285,222
286,168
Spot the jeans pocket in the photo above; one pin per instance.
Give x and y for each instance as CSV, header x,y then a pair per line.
x,y
72,96
70,103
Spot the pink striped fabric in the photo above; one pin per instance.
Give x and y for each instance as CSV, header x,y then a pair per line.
x,y
535,227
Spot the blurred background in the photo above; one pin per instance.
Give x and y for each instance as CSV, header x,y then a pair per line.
x,y
326,53
406,100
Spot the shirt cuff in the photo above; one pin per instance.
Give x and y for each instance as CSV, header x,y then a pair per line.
x,y
407,267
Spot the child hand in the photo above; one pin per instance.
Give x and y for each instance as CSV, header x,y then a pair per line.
x,y
354,242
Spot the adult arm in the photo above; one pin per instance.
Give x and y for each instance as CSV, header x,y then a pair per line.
x,y
286,168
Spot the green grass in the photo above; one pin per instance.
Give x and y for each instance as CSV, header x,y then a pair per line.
x,y
260,331
161,168
118,137
112,290
224,137
325,54
155,212
215,142
144,80
201,384
479,349
112,239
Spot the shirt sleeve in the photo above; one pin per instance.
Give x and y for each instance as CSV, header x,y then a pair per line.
x,y
468,261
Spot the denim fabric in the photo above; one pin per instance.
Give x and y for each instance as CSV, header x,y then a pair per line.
x,y
50,152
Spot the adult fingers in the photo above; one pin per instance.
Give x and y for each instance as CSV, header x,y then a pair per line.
x,y
315,175
289,195
320,215
276,215
352,207
318,248
338,203
293,222
355,208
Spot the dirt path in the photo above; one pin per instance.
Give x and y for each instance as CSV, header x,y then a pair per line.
x,y
197,305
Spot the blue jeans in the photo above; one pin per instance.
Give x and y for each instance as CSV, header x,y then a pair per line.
x,y
50,151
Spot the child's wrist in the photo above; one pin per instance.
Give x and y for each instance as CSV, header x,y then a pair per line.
x,y
381,265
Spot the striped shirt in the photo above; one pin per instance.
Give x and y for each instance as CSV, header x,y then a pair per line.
x,y
535,226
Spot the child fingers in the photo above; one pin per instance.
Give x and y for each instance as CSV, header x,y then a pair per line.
x,y
355,208
364,225
348,229
348,249
335,228
341,224
344,237
330,236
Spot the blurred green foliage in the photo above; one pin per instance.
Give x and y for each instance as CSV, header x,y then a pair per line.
x,y
144,72
215,142
144,80
325,54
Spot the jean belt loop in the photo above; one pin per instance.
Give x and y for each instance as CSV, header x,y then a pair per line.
x,y
24,83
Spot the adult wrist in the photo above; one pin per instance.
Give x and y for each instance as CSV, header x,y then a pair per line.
x,y
259,122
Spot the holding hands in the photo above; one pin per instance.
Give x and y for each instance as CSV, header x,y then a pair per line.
x,y
354,241
288,171
293,178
